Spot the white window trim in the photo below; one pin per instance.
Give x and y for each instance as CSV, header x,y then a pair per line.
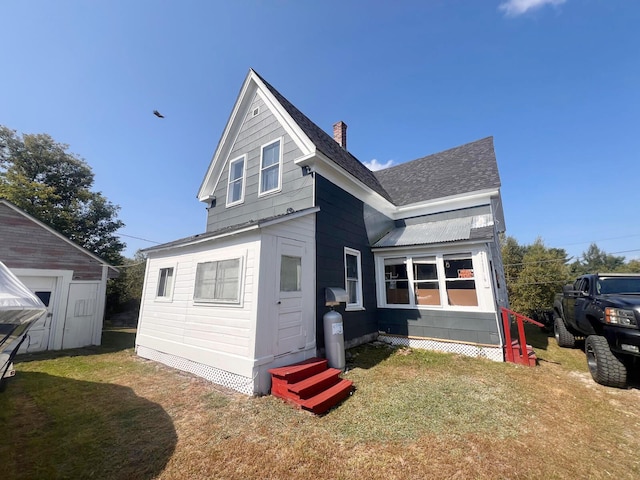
x,y
359,305
244,180
409,255
279,187
169,297
230,303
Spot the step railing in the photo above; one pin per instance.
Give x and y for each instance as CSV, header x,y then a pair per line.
x,y
522,340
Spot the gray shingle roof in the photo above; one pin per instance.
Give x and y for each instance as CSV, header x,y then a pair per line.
x,y
327,145
464,169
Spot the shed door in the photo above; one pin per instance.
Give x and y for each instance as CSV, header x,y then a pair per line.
x,y
44,288
81,315
289,282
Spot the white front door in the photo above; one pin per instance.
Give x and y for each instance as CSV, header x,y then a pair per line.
x,y
290,271
38,335
81,315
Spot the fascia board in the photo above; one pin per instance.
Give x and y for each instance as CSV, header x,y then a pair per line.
x,y
443,204
224,145
319,163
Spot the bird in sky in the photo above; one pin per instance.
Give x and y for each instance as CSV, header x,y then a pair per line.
x,y
158,114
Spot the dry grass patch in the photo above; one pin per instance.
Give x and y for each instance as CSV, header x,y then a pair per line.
x,y
414,414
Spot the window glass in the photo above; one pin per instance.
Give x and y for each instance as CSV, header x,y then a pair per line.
x,y
218,281
353,285
236,178
396,281
426,286
290,274
460,282
270,168
165,282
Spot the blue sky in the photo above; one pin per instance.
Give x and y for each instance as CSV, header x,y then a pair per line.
x,y
555,82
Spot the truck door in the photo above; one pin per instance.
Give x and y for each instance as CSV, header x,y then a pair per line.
x,y
582,302
569,303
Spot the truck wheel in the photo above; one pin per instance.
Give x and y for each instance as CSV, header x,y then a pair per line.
x,y
563,336
605,367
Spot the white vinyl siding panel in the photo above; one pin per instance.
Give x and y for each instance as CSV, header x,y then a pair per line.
x,y
220,329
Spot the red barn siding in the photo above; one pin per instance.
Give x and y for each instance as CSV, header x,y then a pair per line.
x,y
25,244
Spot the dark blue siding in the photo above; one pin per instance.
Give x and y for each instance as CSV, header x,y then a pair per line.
x,y
339,224
471,327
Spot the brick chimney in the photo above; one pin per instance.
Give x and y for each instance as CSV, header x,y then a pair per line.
x,y
340,133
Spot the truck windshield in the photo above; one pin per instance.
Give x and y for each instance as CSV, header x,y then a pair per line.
x,y
607,285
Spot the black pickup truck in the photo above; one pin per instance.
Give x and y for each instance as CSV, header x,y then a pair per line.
x,y
604,309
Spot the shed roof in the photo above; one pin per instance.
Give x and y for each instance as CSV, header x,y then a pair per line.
x,y
439,231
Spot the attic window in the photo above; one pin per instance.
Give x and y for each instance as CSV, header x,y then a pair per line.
x,y
255,111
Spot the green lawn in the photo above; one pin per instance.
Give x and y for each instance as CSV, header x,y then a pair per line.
x,y
104,413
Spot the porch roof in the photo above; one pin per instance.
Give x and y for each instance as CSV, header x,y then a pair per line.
x,y
440,231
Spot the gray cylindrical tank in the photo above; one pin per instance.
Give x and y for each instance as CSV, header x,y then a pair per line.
x,y
334,339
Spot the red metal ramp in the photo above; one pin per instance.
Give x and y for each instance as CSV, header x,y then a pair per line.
x,y
310,385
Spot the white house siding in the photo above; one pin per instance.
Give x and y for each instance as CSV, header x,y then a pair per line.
x,y
216,337
300,230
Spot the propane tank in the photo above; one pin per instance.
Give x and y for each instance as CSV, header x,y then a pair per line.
x,y
334,339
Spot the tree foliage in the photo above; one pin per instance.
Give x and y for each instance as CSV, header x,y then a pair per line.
x,y
43,178
535,273
594,260
125,292
537,277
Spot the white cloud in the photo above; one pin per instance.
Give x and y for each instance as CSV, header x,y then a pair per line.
x,y
513,8
375,165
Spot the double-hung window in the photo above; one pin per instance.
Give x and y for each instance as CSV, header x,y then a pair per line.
x,y
165,283
218,281
235,188
270,167
353,278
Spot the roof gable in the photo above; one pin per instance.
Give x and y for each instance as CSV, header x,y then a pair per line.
x,y
57,234
468,168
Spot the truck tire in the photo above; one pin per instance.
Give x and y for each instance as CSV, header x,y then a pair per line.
x,y
605,368
563,336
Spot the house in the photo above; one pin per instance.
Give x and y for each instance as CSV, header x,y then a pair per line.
x,y
290,212
70,281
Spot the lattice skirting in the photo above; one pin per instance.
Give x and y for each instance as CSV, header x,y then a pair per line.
x,y
219,377
470,350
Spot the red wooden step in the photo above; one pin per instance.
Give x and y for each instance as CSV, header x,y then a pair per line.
x,y
313,385
323,401
301,370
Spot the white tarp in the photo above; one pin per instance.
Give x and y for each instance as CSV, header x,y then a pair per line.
x,y
19,308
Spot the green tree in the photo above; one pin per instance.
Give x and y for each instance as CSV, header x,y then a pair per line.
x,y
595,260
125,292
44,179
541,275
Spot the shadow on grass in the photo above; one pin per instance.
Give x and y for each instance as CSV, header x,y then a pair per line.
x,y
536,336
56,427
368,355
113,340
